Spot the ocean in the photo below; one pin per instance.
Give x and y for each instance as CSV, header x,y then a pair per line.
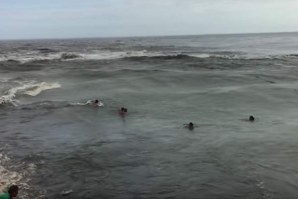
x,y
53,145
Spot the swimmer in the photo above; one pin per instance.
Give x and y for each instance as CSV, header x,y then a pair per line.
x,y
122,111
190,126
12,193
251,118
94,103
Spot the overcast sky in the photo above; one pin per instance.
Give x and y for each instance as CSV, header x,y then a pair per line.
x,y
109,18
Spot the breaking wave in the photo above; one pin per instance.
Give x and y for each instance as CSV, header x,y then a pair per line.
x,y
66,56
45,54
36,89
27,88
291,55
109,55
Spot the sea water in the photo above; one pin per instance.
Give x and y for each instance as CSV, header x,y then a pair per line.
x,y
52,144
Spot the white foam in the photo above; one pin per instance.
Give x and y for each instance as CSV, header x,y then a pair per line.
x,y
7,177
4,80
11,174
92,55
38,88
200,55
100,104
66,192
77,104
105,55
28,88
88,103
11,94
25,57
29,56
227,89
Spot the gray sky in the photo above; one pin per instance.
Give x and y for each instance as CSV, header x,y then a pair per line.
x,y
23,19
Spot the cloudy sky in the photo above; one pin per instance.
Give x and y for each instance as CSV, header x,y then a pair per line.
x,y
109,18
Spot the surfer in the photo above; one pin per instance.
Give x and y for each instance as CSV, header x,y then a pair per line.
x,y
12,193
190,126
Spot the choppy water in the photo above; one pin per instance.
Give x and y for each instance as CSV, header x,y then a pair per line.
x,y
51,143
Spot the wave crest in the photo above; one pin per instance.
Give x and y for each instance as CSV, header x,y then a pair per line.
x,y
38,88
66,56
292,55
48,55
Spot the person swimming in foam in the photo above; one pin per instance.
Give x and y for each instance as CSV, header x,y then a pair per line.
x,y
190,126
96,103
122,111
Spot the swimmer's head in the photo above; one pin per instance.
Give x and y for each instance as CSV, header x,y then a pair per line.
x,y
124,110
96,101
190,126
13,191
251,118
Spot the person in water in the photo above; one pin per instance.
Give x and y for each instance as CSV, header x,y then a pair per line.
x,y
251,118
11,193
94,102
190,126
122,111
